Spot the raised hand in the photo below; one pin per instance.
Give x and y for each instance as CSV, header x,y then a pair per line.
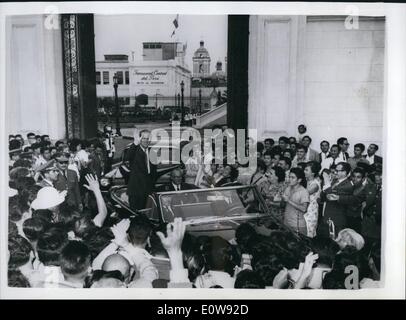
x,y
174,235
120,232
93,183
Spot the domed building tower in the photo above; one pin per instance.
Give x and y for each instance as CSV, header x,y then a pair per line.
x,y
219,74
201,62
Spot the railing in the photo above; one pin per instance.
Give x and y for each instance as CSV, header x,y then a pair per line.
x,y
212,116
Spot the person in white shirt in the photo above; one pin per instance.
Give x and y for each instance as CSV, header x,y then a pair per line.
x,y
311,155
130,241
324,147
300,156
205,168
371,154
332,159
343,145
43,158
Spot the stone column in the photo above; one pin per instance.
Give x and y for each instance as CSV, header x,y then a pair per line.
x,y
79,75
34,76
276,73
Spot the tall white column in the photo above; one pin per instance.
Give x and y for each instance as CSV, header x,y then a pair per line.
x,y
275,74
34,77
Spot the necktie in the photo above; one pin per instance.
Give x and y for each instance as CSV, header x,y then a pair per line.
x,y
147,159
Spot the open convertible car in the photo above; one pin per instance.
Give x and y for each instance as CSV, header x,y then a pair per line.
x,y
211,212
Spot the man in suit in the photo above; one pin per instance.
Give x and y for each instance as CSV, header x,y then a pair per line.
x,y
177,183
337,196
311,154
371,155
361,189
343,145
372,221
324,147
142,172
68,180
332,159
49,173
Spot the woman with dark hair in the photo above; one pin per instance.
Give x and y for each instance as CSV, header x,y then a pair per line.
x,y
272,190
229,175
313,186
297,199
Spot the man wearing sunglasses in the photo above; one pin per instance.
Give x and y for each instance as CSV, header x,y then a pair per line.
x,y
343,145
68,180
49,173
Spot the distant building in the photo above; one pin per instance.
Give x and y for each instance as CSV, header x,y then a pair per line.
x,y
156,77
209,85
201,62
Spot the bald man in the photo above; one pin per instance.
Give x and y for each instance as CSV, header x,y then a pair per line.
x,y
118,262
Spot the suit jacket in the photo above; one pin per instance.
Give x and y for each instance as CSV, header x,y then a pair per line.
x,y
337,211
355,208
71,184
320,157
377,159
313,155
170,187
140,182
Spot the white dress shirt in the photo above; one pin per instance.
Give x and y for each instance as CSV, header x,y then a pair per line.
x,y
371,160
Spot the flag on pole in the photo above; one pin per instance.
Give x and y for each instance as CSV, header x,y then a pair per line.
x,y
176,24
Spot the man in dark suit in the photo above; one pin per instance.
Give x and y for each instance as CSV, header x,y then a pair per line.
x,y
343,144
371,155
177,183
142,172
49,173
337,198
361,189
68,180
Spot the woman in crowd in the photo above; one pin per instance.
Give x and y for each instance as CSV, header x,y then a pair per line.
x,y
297,199
314,188
272,190
192,167
229,175
205,168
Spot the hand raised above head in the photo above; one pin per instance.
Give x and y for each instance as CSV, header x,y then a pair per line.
x,y
93,183
174,235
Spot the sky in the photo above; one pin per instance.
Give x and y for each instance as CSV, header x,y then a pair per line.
x,y
121,34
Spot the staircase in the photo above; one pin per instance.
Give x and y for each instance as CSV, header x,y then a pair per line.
x,y
218,115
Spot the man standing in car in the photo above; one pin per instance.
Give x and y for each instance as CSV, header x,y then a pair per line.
x,y
143,172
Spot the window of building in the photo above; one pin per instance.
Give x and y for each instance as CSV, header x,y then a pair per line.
x,y
106,79
119,75
98,77
127,77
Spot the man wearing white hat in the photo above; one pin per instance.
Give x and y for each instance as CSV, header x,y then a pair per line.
x,y
48,198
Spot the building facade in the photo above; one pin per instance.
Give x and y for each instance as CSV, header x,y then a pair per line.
x,y
316,71
157,76
208,88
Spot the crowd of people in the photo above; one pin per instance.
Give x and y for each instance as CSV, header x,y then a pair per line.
x,y
62,233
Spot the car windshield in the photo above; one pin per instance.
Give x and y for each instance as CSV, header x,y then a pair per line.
x,y
206,204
